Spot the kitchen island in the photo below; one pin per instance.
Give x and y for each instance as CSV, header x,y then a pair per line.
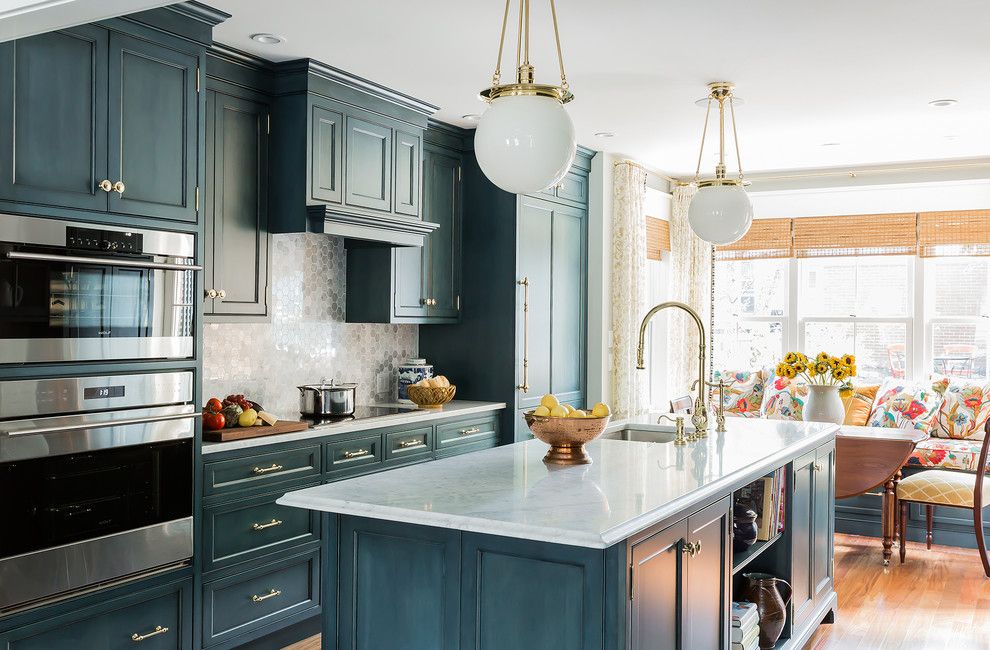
x,y
498,550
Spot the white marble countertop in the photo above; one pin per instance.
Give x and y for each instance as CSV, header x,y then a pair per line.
x,y
629,486
453,409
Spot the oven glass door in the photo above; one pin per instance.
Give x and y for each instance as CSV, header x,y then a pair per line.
x,y
76,497
57,305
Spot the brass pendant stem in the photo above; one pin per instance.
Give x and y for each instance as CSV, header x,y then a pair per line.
x,y
720,91
497,77
525,72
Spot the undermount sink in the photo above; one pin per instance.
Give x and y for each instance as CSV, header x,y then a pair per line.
x,y
655,433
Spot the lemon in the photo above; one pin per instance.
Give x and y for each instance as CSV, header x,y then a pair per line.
x,y
542,411
601,410
577,413
558,412
549,401
570,409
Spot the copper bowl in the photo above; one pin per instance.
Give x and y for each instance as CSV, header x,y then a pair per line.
x,y
429,397
566,436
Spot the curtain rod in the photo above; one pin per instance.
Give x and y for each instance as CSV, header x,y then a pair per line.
x,y
633,163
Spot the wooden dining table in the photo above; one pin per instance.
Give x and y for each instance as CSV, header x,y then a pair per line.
x,y
870,457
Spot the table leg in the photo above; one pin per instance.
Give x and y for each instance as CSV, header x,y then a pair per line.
x,y
889,501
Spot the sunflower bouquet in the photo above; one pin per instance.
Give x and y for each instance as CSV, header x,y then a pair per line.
x,y
823,370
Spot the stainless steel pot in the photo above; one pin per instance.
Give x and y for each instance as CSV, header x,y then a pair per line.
x,y
326,399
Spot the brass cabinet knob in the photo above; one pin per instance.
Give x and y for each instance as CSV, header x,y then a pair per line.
x,y
691,549
424,301
212,293
221,294
818,467
119,187
106,185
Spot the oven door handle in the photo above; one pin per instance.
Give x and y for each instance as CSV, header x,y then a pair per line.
x,y
105,261
102,425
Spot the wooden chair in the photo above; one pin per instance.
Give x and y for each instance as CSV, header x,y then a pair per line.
x,y
681,405
937,487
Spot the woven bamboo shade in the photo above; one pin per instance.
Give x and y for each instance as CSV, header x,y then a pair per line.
x,y
958,232
657,237
766,238
862,234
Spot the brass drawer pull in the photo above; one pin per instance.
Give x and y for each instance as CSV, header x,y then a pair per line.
x,y
405,444
271,594
357,453
470,432
270,524
141,637
274,467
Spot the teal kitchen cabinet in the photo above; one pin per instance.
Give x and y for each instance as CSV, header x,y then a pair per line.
x,y
100,120
237,278
414,284
347,157
522,331
812,531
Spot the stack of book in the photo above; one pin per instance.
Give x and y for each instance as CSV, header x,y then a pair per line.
x,y
745,626
766,497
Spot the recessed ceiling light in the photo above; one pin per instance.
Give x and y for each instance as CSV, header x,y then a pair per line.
x,y
941,103
267,39
605,134
951,137
831,144
471,117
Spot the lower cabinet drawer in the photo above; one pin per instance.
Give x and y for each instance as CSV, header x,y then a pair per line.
x,y
354,456
151,621
466,432
408,444
261,470
466,448
245,602
242,530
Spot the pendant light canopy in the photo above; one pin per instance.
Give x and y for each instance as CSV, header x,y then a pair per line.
x,y
720,212
525,141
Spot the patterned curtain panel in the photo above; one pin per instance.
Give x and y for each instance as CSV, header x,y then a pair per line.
x,y
690,283
630,394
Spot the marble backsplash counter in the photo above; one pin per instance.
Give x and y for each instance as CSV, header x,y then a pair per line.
x,y
307,338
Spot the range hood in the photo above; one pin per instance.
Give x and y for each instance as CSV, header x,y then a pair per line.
x,y
388,230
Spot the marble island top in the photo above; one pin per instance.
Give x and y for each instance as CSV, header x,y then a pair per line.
x,y
409,414
629,487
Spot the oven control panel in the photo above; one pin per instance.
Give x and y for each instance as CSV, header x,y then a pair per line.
x,y
113,241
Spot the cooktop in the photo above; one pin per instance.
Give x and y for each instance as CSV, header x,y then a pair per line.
x,y
360,413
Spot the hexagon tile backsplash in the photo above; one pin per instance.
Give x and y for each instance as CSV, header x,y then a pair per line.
x,y
307,338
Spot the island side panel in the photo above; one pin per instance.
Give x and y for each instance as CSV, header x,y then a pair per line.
x,y
530,595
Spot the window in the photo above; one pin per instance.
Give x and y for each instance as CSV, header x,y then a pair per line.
x,y
957,325
751,313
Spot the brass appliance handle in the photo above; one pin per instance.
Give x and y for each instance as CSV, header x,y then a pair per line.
x,y
274,467
471,431
271,594
405,444
270,524
141,637
105,261
357,453
524,386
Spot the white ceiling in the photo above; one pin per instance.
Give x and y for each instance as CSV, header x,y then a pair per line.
x,y
856,72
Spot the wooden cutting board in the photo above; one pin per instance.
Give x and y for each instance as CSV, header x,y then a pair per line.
x,y
242,433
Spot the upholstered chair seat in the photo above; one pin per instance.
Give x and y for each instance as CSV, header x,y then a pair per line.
x,y
941,487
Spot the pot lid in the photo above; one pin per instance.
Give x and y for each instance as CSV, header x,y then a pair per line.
x,y
324,385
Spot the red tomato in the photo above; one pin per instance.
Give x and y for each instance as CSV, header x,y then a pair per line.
x,y
214,405
214,421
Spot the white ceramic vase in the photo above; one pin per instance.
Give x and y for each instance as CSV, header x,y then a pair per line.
x,y
824,405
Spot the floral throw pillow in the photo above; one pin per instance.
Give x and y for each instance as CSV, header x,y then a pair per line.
x,y
902,404
744,394
965,410
784,399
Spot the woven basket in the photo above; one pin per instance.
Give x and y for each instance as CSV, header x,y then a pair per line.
x,y
427,397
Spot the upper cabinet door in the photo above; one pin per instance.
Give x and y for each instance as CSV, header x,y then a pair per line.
x,y
408,169
411,295
567,369
368,163
533,334
443,206
326,147
153,129
53,119
239,235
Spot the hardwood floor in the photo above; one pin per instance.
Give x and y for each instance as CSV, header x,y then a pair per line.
x,y
936,599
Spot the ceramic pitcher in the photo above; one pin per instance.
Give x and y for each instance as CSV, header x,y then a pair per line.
x,y
762,589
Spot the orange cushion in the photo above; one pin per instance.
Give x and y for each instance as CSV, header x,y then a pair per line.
x,y
858,405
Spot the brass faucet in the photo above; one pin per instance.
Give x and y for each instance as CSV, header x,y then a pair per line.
x,y
699,418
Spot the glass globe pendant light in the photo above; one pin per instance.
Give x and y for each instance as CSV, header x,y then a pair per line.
x,y
525,141
720,212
